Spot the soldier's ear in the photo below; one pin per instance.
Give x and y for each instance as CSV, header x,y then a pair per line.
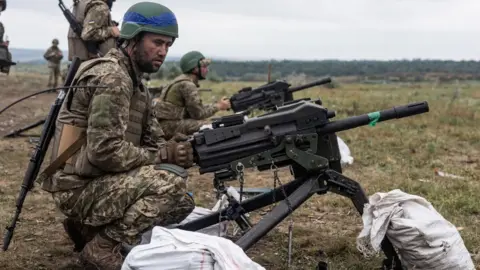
x,y
195,71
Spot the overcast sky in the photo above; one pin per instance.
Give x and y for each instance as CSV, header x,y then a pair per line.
x,y
287,29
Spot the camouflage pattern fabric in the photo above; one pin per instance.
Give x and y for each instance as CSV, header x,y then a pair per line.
x,y
2,32
107,113
131,196
185,126
128,204
53,55
182,102
54,73
97,25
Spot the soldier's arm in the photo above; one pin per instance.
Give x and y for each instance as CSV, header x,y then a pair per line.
x,y
193,103
107,122
48,54
96,26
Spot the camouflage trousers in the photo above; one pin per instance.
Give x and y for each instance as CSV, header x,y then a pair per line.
x,y
125,205
184,126
53,76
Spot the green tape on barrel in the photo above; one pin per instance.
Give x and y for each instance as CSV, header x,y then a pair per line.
x,y
373,117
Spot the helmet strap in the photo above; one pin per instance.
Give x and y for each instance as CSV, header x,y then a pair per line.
x,y
123,48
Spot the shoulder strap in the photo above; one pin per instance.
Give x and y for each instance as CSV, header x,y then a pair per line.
x,y
164,96
62,158
81,70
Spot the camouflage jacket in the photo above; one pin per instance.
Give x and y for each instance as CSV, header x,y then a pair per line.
x,y
181,100
97,25
2,32
106,114
53,55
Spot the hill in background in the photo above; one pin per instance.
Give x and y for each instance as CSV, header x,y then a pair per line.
x,y
374,71
35,56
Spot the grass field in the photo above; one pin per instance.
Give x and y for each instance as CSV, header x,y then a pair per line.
x,y
398,154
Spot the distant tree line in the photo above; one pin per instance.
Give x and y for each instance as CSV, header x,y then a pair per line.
x,y
402,70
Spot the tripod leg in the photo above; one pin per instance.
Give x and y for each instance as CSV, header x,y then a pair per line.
x,y
279,213
342,185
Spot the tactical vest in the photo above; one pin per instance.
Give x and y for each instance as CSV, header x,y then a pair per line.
x,y
76,47
69,126
170,104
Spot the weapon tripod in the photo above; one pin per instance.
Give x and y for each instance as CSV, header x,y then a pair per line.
x,y
291,196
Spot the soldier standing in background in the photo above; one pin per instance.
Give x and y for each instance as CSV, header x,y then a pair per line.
x,y
98,28
54,56
179,108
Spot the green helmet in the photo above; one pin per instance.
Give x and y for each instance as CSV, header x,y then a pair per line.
x,y
55,41
191,60
149,17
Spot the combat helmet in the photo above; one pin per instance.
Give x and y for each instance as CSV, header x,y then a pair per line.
x,y
149,17
55,41
191,60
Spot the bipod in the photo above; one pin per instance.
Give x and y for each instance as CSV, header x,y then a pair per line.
x,y
18,132
298,191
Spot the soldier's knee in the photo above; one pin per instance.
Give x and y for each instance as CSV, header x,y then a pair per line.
x,y
163,179
172,168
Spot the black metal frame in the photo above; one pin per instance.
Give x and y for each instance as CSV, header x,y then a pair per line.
x,y
297,191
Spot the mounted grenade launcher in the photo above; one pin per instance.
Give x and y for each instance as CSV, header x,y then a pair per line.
x,y
300,135
268,96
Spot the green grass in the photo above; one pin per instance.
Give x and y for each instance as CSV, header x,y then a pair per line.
x,y
398,154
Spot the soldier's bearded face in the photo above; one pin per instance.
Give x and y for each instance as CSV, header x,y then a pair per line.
x,y
151,52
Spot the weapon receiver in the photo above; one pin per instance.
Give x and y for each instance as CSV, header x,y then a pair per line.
x,y
269,95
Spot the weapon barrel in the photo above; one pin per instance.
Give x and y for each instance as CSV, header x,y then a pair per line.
x,y
308,85
374,117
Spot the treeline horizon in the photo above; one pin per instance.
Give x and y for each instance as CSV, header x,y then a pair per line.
x,y
396,70
373,69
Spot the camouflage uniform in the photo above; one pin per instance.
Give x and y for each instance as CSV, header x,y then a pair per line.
x,y
179,109
112,181
97,25
95,17
53,55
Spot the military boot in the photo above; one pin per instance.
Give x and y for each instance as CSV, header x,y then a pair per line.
x,y
79,233
102,253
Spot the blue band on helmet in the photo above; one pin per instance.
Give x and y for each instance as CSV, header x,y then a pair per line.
x,y
165,19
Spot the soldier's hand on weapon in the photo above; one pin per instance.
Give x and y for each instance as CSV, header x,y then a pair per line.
x,y
115,31
177,151
224,104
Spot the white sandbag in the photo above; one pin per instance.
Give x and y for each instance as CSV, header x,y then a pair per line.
x,y
219,229
424,239
178,249
345,154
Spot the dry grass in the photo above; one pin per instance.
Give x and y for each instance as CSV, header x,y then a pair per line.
x,y
398,154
